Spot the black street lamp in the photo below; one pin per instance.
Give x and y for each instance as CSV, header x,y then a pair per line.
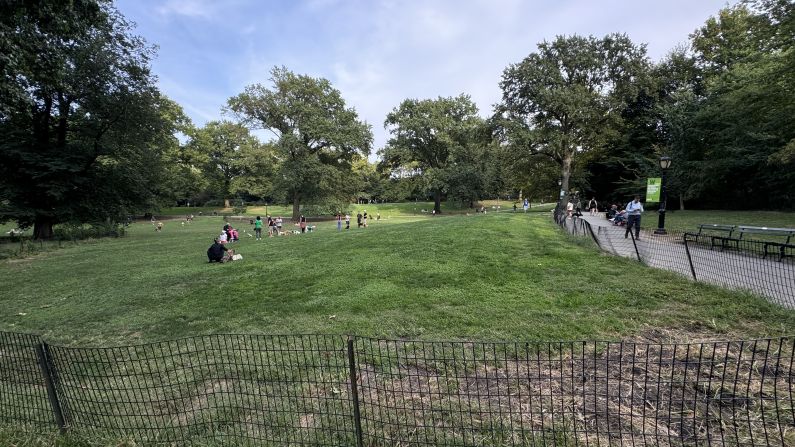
x,y
665,163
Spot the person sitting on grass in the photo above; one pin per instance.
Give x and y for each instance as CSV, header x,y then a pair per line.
x,y
219,253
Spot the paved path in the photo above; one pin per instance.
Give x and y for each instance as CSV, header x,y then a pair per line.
x,y
767,277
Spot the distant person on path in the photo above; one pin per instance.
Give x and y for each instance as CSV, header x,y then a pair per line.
x,y
219,253
258,228
569,209
302,223
339,221
526,205
593,206
634,210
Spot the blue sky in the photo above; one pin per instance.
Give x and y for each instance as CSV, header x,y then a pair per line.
x,y
378,53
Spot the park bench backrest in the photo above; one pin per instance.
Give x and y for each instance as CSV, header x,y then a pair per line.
x,y
788,232
716,227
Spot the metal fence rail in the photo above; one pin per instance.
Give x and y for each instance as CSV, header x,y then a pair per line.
x,y
761,267
333,390
23,392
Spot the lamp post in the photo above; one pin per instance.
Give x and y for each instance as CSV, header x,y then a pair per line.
x,y
665,163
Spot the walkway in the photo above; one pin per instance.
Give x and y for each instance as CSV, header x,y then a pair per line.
x,y
744,271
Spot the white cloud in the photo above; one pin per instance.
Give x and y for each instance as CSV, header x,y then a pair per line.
x,y
188,8
378,53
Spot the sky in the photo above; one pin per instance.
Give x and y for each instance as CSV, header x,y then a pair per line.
x,y
380,52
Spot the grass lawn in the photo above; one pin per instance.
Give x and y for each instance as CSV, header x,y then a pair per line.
x,y
689,220
482,277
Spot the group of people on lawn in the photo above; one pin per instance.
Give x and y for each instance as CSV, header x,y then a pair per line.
x,y
274,226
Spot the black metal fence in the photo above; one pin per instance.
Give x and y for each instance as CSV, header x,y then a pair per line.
x,y
762,267
346,391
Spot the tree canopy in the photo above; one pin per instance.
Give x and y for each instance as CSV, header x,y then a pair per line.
x,y
317,136
428,134
81,118
564,99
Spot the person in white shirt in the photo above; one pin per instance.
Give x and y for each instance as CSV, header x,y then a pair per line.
x,y
634,210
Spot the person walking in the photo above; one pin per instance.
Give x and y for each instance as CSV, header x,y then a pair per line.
x,y
593,206
339,221
347,221
258,228
634,210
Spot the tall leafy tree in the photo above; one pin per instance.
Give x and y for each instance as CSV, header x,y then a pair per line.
x,y
81,119
317,136
232,160
424,135
564,100
747,56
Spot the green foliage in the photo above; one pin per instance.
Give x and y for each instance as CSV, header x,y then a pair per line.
x,y
82,121
433,137
564,100
317,135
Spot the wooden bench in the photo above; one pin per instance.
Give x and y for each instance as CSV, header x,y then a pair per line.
x,y
717,227
781,232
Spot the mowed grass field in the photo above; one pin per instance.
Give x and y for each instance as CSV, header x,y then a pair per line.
x,y
499,276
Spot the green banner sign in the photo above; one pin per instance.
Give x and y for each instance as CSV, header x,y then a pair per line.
x,y
653,190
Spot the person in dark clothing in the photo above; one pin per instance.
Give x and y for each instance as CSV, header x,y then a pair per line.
x,y
359,220
219,253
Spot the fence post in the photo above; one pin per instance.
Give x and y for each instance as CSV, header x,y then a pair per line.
x,y
689,259
357,419
635,244
593,236
43,353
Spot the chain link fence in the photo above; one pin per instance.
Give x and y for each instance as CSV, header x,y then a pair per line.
x,y
328,390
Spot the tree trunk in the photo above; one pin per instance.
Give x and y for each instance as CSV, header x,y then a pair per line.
x,y
437,201
42,228
681,203
226,203
296,207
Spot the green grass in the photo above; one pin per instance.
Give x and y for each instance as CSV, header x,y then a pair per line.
x,y
483,277
689,220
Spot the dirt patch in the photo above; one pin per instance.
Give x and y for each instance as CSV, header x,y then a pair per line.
x,y
200,402
662,387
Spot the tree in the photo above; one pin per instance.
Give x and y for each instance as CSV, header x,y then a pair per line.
x,y
81,118
731,129
425,133
563,100
232,160
317,136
